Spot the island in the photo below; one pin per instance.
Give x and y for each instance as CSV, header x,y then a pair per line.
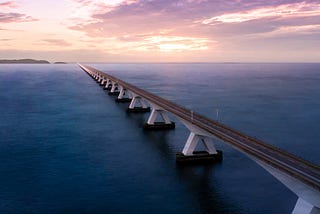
x,y
23,61
60,63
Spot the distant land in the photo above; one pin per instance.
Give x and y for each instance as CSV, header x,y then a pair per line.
x,y
26,61
23,61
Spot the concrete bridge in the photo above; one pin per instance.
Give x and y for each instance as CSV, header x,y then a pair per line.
x,y
299,175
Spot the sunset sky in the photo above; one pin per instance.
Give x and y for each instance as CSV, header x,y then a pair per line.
x,y
161,30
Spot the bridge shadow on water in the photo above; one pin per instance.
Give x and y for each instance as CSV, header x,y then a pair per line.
x,y
198,180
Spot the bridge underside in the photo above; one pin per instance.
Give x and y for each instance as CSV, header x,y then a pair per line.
x,y
308,198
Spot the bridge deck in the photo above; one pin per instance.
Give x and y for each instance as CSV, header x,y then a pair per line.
x,y
297,167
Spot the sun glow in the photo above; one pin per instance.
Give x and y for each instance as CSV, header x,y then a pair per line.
x,y
178,43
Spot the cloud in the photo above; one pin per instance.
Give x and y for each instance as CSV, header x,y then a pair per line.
x,y
188,17
83,9
165,43
56,42
301,9
8,4
10,16
203,26
138,23
15,17
5,40
142,17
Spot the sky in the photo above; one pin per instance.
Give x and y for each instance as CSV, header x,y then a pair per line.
x,y
161,30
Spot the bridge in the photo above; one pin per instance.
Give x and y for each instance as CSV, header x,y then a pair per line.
x,y
299,175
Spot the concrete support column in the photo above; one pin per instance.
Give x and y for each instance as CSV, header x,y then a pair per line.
x,y
108,84
114,89
154,115
103,81
138,104
308,197
124,95
189,153
98,78
303,207
165,122
193,141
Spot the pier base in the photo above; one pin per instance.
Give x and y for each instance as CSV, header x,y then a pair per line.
x,y
159,126
123,100
124,95
152,124
138,110
107,88
114,93
199,157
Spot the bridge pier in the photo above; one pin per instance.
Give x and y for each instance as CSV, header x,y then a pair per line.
x,y
151,124
303,206
189,153
103,81
114,89
308,197
124,96
98,78
108,85
138,104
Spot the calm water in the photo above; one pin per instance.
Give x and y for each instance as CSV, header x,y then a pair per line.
x,y
67,147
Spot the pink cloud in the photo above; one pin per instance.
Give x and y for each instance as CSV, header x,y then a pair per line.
x,y
15,17
181,26
8,4
11,16
56,42
188,17
301,9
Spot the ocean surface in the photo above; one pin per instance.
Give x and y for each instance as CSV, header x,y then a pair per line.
x,y
67,147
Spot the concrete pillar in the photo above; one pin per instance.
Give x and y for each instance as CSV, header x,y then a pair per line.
x,y
114,89
196,136
124,95
165,122
108,84
138,104
193,141
303,207
103,81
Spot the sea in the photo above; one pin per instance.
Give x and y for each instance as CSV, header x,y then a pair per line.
x,y
68,147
